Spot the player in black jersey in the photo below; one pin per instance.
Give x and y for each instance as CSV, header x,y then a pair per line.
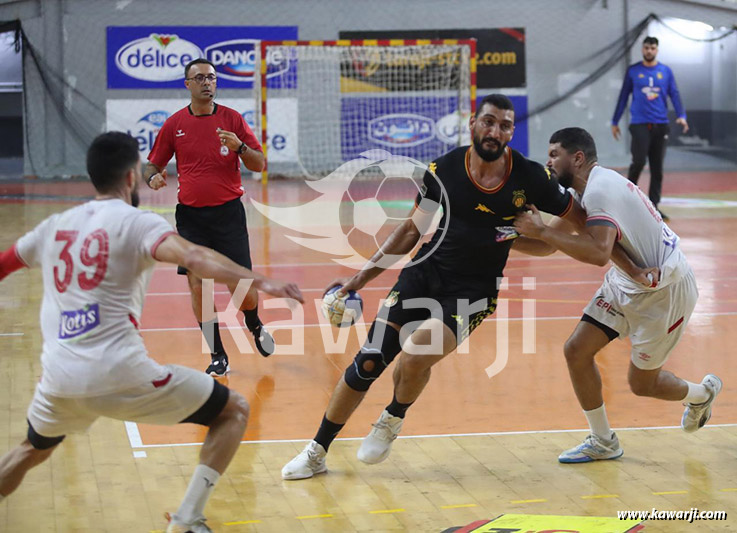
x,y
485,185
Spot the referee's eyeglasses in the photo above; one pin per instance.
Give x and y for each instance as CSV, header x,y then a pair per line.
x,y
200,78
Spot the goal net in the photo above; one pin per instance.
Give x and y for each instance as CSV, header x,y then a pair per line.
x,y
322,103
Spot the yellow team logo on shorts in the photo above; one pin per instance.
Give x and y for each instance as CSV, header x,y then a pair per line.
x,y
518,198
392,299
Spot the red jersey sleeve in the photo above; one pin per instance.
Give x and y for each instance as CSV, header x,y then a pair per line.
x,y
10,261
163,148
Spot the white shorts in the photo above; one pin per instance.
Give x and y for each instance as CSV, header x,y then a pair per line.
x,y
654,321
176,395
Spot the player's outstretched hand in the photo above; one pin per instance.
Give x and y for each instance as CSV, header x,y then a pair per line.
x,y
282,289
158,180
229,139
529,223
348,284
615,132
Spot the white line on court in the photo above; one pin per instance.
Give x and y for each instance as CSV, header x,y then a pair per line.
x,y
274,327
449,435
134,437
538,284
11,334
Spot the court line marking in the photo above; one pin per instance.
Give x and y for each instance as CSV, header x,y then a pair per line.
x,y
670,492
387,511
134,436
459,506
11,334
448,435
358,266
539,500
274,327
538,283
309,517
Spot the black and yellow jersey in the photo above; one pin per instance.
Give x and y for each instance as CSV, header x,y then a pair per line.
x,y
468,250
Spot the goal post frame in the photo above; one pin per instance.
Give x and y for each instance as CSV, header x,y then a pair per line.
x,y
471,43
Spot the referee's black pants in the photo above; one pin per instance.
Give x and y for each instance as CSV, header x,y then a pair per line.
x,y
649,142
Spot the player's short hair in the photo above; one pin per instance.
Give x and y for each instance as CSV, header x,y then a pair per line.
x,y
574,140
650,40
500,101
198,61
109,158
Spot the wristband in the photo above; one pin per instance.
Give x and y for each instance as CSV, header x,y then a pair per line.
x,y
242,149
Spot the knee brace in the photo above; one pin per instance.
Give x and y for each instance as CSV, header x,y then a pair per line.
x,y
381,348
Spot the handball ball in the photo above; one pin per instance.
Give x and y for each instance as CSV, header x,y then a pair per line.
x,y
342,311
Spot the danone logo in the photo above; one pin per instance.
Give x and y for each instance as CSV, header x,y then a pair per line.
x,y
236,59
75,323
156,57
401,130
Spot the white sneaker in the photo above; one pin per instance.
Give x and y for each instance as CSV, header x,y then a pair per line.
x,y
177,527
309,462
378,443
593,448
696,416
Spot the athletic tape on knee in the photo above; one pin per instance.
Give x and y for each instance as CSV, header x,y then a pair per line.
x,y
381,347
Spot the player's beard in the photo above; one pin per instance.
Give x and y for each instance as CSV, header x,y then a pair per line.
x,y
487,155
564,178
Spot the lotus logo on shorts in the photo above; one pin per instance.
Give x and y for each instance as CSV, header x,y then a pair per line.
x,y
236,59
147,128
401,130
78,322
156,57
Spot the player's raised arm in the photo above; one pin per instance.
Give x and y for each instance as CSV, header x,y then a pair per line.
x,y
208,264
539,248
594,245
10,261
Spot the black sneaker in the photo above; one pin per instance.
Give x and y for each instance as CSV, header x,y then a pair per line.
x,y
219,365
264,341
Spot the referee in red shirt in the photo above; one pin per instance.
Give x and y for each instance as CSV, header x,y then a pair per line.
x,y
210,141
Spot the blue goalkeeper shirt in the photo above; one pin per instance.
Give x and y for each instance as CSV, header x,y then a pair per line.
x,y
649,87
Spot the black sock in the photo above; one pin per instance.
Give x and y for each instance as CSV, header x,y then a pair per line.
x,y
252,319
398,409
215,344
327,432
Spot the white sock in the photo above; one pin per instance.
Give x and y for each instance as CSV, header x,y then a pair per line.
x,y
599,423
200,487
697,393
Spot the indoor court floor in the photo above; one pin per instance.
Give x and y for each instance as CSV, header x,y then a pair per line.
x,y
472,447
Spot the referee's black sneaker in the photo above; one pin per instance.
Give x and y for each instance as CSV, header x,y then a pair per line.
x,y
264,341
219,365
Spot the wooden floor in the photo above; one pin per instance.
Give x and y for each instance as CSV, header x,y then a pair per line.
x,y
472,447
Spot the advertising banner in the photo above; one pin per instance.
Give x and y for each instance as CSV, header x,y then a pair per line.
x,y
154,57
143,119
500,52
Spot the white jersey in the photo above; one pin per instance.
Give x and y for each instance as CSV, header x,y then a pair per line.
x,y
610,198
96,260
